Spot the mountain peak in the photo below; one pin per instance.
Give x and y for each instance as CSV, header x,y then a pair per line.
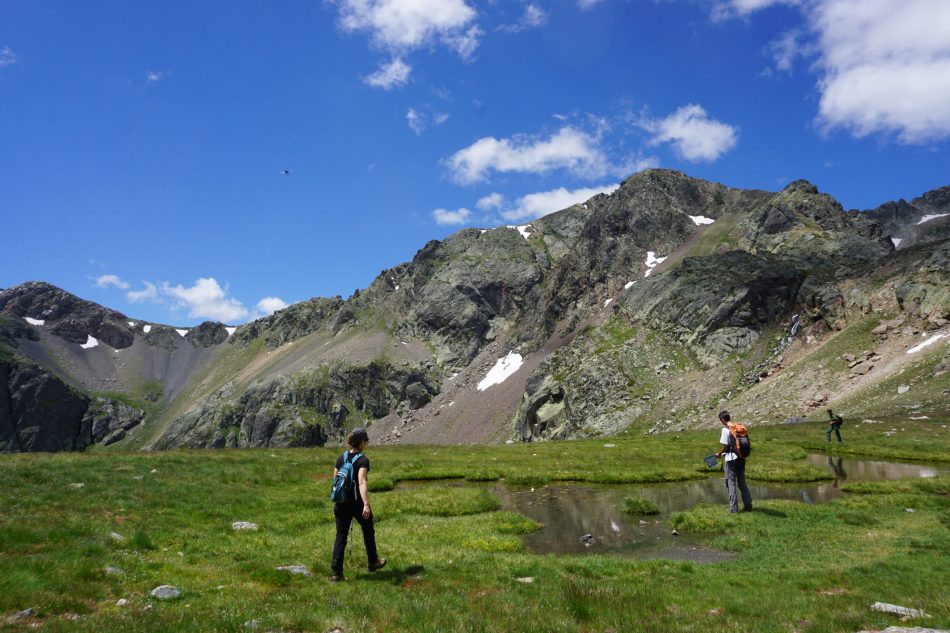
x,y
801,186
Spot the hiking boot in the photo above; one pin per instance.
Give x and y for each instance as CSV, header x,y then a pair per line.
x,y
337,578
377,565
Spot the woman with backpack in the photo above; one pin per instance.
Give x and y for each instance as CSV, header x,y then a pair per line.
x,y
351,495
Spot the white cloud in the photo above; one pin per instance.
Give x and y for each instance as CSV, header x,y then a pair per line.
x,y
395,73
886,67
695,135
416,121
491,201
588,4
532,18
105,281
535,205
465,43
206,299
726,9
270,305
148,293
7,57
404,25
445,217
785,49
154,76
568,148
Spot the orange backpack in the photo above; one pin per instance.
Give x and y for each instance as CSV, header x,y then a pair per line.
x,y
740,440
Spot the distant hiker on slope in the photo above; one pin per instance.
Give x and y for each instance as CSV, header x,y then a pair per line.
x,y
734,462
834,425
350,494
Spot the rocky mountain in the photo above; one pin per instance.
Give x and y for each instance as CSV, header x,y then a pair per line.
x,y
640,311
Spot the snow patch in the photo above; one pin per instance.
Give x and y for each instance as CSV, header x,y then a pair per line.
x,y
652,262
928,218
523,229
396,288
700,219
930,341
502,370
896,241
131,323
628,285
90,342
483,231
35,321
607,302
231,330
147,329
181,332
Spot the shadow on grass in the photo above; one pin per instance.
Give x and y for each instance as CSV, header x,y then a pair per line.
x,y
394,575
770,512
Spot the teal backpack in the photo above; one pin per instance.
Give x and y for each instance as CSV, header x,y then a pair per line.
x,y
344,483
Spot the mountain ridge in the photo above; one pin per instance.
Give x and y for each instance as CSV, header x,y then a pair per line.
x,y
690,274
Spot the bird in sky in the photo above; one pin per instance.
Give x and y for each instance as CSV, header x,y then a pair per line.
x,y
286,172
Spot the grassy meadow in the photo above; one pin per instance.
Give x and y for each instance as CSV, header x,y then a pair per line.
x,y
456,559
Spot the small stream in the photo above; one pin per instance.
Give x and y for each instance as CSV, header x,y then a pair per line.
x,y
568,511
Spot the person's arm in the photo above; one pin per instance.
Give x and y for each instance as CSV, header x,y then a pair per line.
x,y
364,491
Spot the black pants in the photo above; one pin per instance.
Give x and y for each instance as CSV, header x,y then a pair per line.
x,y
344,514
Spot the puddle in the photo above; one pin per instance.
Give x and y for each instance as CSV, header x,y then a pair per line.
x,y
568,511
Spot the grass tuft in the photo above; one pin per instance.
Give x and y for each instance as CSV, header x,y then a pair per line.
x,y
640,506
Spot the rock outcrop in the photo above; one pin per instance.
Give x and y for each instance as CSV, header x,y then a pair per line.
x,y
303,409
718,304
40,412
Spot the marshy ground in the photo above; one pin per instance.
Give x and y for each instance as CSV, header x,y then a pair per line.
x,y
79,532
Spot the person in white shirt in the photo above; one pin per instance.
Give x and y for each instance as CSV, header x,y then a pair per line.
x,y
733,467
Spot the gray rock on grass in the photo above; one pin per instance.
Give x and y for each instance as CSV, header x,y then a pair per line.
x,y
244,525
905,612
165,592
16,617
295,569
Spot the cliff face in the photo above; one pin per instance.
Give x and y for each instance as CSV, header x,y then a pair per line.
x,y
40,412
645,308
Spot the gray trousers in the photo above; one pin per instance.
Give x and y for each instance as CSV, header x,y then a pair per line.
x,y
735,476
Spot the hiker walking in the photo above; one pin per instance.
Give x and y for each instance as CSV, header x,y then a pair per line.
x,y
733,465
835,425
352,502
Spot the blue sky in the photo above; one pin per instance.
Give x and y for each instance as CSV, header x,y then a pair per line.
x,y
142,144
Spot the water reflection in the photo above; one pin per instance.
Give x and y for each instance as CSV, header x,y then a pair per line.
x,y
570,511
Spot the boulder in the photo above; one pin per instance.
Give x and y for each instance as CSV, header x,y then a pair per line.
x,y
418,395
165,592
544,413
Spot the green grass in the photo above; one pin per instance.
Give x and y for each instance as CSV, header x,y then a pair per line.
x,y
456,559
640,505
